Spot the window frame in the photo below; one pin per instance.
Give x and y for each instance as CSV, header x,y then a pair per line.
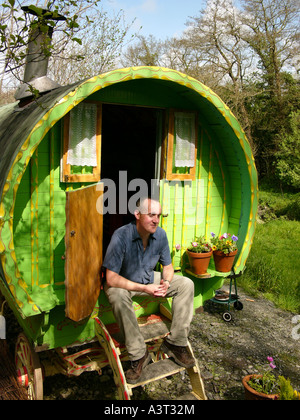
x,y
66,175
170,175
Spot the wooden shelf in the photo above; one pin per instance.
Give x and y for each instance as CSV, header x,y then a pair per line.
x,y
210,273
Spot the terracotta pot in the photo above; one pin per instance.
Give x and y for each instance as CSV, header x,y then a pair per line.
x,y
224,262
251,394
199,261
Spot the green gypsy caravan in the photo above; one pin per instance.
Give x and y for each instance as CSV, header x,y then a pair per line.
x,y
60,155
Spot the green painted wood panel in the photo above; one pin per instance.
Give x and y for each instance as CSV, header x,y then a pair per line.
x,y
39,217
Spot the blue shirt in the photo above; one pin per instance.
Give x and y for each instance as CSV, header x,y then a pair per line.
x,y
126,256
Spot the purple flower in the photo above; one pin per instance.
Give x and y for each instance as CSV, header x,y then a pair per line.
x,y
213,234
234,238
271,360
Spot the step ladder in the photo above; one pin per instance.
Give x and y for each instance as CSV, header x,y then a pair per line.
x,y
154,328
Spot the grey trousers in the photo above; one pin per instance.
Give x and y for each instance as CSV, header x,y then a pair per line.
x,y
181,290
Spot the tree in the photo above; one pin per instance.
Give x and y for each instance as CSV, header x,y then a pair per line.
x,y
99,51
215,36
270,30
15,28
86,35
287,161
146,52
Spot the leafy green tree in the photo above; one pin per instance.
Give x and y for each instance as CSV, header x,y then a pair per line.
x,y
271,30
16,26
100,49
287,157
147,51
86,41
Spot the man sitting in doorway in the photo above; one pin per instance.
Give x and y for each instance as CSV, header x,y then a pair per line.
x,y
130,261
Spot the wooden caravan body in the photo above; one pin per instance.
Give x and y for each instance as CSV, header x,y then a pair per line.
x,y
50,229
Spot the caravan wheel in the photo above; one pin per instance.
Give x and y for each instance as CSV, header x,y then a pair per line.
x,y
29,371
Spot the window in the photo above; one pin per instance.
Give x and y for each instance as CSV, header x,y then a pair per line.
x,y
82,144
182,145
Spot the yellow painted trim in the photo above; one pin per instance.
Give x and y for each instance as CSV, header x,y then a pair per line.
x,y
209,185
224,191
175,218
51,191
34,221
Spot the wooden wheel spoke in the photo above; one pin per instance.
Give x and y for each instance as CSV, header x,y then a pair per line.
x,y
23,355
26,357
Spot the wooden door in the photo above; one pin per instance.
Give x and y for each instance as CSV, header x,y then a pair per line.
x,y
83,240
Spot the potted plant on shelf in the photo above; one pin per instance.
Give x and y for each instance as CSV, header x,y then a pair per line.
x,y
199,254
224,251
267,386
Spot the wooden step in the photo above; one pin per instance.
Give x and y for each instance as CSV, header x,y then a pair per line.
x,y
155,330
152,327
158,370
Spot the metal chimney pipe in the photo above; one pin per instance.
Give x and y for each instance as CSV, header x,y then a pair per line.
x,y
36,60
37,57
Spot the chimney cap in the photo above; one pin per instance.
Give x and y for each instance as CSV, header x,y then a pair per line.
x,y
45,13
43,84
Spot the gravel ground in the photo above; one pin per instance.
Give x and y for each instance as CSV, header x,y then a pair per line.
x,y
226,351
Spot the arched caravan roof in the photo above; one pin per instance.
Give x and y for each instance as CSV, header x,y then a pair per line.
x,y
22,130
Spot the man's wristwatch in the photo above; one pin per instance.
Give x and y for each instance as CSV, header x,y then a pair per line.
x,y
167,281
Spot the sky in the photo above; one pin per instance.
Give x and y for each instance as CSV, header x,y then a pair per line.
x,y
160,18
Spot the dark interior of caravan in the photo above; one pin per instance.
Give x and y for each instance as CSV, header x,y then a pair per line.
x,y
129,138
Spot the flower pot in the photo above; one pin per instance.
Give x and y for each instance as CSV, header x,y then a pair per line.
x,y
251,394
199,261
224,262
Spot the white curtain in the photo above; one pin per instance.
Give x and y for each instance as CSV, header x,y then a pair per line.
x,y
82,136
185,139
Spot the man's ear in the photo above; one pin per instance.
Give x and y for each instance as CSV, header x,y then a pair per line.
x,y
137,214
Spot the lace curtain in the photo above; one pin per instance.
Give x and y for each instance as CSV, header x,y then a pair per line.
x,y
185,139
82,136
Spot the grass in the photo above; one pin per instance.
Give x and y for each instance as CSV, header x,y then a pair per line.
x,y
273,263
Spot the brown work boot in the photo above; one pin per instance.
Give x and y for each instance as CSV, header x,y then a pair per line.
x,y
179,353
133,374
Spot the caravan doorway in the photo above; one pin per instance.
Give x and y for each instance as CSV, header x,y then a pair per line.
x,y
131,138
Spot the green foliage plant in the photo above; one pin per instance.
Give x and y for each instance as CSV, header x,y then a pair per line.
x,y
288,155
225,243
200,245
287,392
268,383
